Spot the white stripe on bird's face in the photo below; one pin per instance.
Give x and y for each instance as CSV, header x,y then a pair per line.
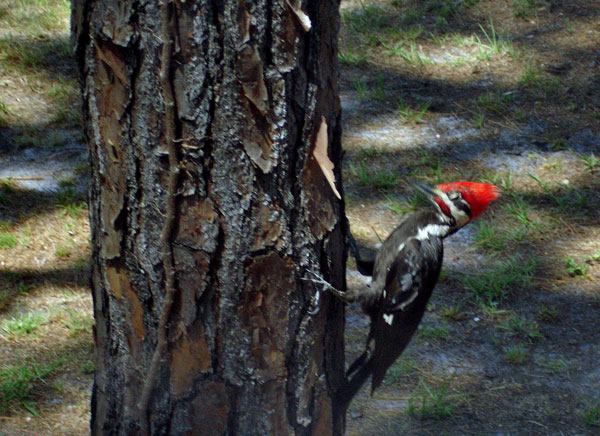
x,y
460,217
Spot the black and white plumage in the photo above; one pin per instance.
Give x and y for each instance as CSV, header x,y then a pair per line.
x,y
404,273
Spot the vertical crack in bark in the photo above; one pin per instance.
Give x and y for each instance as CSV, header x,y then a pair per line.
x,y
211,83
268,43
170,216
80,34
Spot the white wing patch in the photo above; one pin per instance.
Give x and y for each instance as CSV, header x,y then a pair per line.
x,y
400,247
410,300
406,281
388,318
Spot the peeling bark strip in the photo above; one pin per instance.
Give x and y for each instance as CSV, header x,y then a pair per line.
x,y
302,17
207,208
320,154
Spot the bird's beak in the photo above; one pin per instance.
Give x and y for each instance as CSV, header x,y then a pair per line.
x,y
430,193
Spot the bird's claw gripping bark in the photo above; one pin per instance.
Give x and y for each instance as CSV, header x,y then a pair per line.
x,y
316,300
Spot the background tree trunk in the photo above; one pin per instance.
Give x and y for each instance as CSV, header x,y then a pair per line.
x,y
207,208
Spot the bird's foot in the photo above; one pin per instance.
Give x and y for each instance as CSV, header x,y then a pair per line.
x,y
326,286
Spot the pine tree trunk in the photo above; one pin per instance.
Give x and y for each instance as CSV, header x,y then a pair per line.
x,y
207,208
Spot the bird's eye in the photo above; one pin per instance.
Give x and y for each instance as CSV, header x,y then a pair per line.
x,y
454,195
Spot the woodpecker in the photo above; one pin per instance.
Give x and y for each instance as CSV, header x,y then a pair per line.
x,y
404,273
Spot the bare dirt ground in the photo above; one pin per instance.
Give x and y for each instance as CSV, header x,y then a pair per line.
x,y
502,91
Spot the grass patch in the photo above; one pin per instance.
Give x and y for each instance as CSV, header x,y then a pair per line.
x,y
23,324
452,313
403,367
348,56
488,237
88,367
493,43
371,152
594,257
401,206
4,225
493,286
63,91
78,323
4,112
7,186
516,354
529,76
478,121
63,252
71,202
428,331
493,312
543,86
361,89
36,16
591,414
548,314
409,53
522,328
36,48
8,240
544,185
521,212
554,366
410,115
373,23
27,56
382,180
590,160
17,383
523,8
4,299
378,92
406,205
489,101
433,403
575,269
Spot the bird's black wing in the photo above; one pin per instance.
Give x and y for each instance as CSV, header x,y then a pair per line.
x,y
409,281
403,279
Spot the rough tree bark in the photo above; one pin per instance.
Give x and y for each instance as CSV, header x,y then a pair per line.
x,y
207,208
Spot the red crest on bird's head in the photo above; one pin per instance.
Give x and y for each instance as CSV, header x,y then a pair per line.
x,y
478,195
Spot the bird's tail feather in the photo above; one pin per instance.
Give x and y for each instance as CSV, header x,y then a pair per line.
x,y
354,383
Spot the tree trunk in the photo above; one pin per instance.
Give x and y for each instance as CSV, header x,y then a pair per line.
x,y
207,208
